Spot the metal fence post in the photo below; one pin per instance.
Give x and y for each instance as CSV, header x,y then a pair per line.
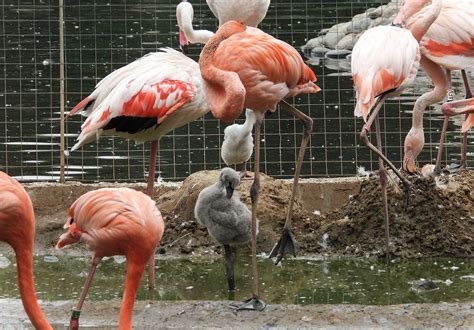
x,y
61,87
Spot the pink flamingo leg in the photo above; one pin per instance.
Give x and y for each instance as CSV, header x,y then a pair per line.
x,y
287,243
151,192
74,322
464,135
449,110
255,303
383,186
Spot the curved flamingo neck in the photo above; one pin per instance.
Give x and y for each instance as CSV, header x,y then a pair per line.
x,y
24,260
132,282
224,90
418,24
184,15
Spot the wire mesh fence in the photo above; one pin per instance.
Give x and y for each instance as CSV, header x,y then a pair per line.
x,y
101,36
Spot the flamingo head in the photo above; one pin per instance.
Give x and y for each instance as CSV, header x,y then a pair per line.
x,y
73,235
414,143
230,179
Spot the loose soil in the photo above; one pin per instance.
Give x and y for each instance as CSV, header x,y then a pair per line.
x,y
439,220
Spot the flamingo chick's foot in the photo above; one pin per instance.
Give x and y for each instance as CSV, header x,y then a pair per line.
x,y
251,304
286,244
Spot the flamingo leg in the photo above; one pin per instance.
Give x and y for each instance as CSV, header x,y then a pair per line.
x,y
364,138
464,135
229,267
254,303
449,109
151,192
287,242
383,186
76,312
243,173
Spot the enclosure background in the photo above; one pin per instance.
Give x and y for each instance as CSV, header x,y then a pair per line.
x,y
101,36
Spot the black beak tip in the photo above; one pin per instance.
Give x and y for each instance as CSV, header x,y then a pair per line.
x,y
230,192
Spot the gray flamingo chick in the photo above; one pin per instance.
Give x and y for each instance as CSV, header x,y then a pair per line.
x,y
226,218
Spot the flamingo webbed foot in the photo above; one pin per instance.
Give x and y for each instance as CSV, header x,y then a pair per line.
x,y
251,304
286,244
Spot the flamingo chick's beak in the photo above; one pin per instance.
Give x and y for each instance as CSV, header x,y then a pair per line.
x,y
230,191
183,41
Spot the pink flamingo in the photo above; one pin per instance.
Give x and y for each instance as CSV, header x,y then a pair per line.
x,y
114,221
17,228
447,45
250,12
144,100
385,61
244,67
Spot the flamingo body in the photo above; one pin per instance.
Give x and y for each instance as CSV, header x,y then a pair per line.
x,y
249,12
449,41
116,221
145,99
384,59
259,71
17,228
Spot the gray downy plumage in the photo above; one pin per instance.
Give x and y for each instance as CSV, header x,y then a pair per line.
x,y
227,219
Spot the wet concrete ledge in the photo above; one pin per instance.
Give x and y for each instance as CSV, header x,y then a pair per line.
x,y
322,194
217,314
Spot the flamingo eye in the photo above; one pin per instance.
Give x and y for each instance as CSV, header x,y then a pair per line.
x,y
71,221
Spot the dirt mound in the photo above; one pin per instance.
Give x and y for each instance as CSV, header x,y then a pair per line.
x,y
439,220
178,209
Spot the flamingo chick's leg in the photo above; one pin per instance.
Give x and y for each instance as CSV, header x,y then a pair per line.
x,y
255,303
243,172
151,192
229,267
287,243
383,185
365,139
76,312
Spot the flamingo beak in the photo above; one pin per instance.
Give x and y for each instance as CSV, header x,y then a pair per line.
x,y
183,41
230,191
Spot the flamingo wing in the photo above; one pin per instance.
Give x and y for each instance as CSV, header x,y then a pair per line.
x,y
450,39
269,69
384,59
138,96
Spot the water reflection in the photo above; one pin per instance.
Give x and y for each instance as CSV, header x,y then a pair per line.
x,y
299,281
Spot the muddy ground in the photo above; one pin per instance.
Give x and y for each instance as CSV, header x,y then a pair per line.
x,y
217,314
439,219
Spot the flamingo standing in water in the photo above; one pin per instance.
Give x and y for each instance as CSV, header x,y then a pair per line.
x,y
245,67
114,221
447,45
17,228
250,12
385,61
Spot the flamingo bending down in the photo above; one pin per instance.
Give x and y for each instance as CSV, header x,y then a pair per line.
x,y
238,142
245,67
385,61
226,218
447,45
114,221
250,12
17,228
